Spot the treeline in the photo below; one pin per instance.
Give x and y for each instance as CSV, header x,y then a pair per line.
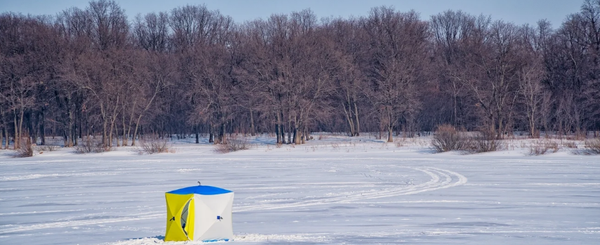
x,y
195,71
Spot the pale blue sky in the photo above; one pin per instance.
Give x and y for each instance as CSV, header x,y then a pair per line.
x,y
516,11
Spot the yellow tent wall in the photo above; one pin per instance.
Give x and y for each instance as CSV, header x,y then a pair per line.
x,y
175,206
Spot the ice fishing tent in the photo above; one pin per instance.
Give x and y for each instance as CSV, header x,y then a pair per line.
x,y
199,213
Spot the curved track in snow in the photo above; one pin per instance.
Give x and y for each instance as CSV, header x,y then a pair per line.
x,y
439,179
74,223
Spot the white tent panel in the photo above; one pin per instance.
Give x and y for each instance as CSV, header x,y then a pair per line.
x,y
202,221
213,217
217,203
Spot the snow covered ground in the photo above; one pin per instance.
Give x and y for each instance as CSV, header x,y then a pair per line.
x,y
335,190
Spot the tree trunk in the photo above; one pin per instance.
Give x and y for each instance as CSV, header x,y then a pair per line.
x,y
455,112
75,133
69,142
2,130
42,121
130,123
296,136
156,90
113,117
87,128
211,135
500,127
532,127
390,133
125,136
17,136
455,103
32,122
6,137
112,124
21,125
277,133
356,118
279,129
306,134
79,126
289,129
117,136
104,125
221,135
252,129
134,134
349,118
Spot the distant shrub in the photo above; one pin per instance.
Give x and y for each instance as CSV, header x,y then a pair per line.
x,y
447,138
26,149
43,148
231,145
570,144
593,146
484,141
542,147
155,145
90,145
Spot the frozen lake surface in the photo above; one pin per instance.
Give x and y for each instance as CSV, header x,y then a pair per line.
x,y
330,191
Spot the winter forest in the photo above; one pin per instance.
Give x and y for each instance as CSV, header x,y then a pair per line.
x,y
193,71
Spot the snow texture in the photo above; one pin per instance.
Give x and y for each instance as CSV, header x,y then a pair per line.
x,y
337,190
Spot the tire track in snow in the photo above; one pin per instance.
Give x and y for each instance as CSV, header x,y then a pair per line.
x,y
439,179
74,223
55,175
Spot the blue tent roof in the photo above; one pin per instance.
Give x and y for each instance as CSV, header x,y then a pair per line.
x,y
200,189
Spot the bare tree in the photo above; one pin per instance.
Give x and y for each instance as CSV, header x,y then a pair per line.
x,y
98,64
349,78
451,33
202,39
532,72
25,69
154,72
396,65
493,77
266,65
572,60
152,31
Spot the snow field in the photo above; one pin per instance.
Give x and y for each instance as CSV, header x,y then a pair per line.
x,y
330,191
